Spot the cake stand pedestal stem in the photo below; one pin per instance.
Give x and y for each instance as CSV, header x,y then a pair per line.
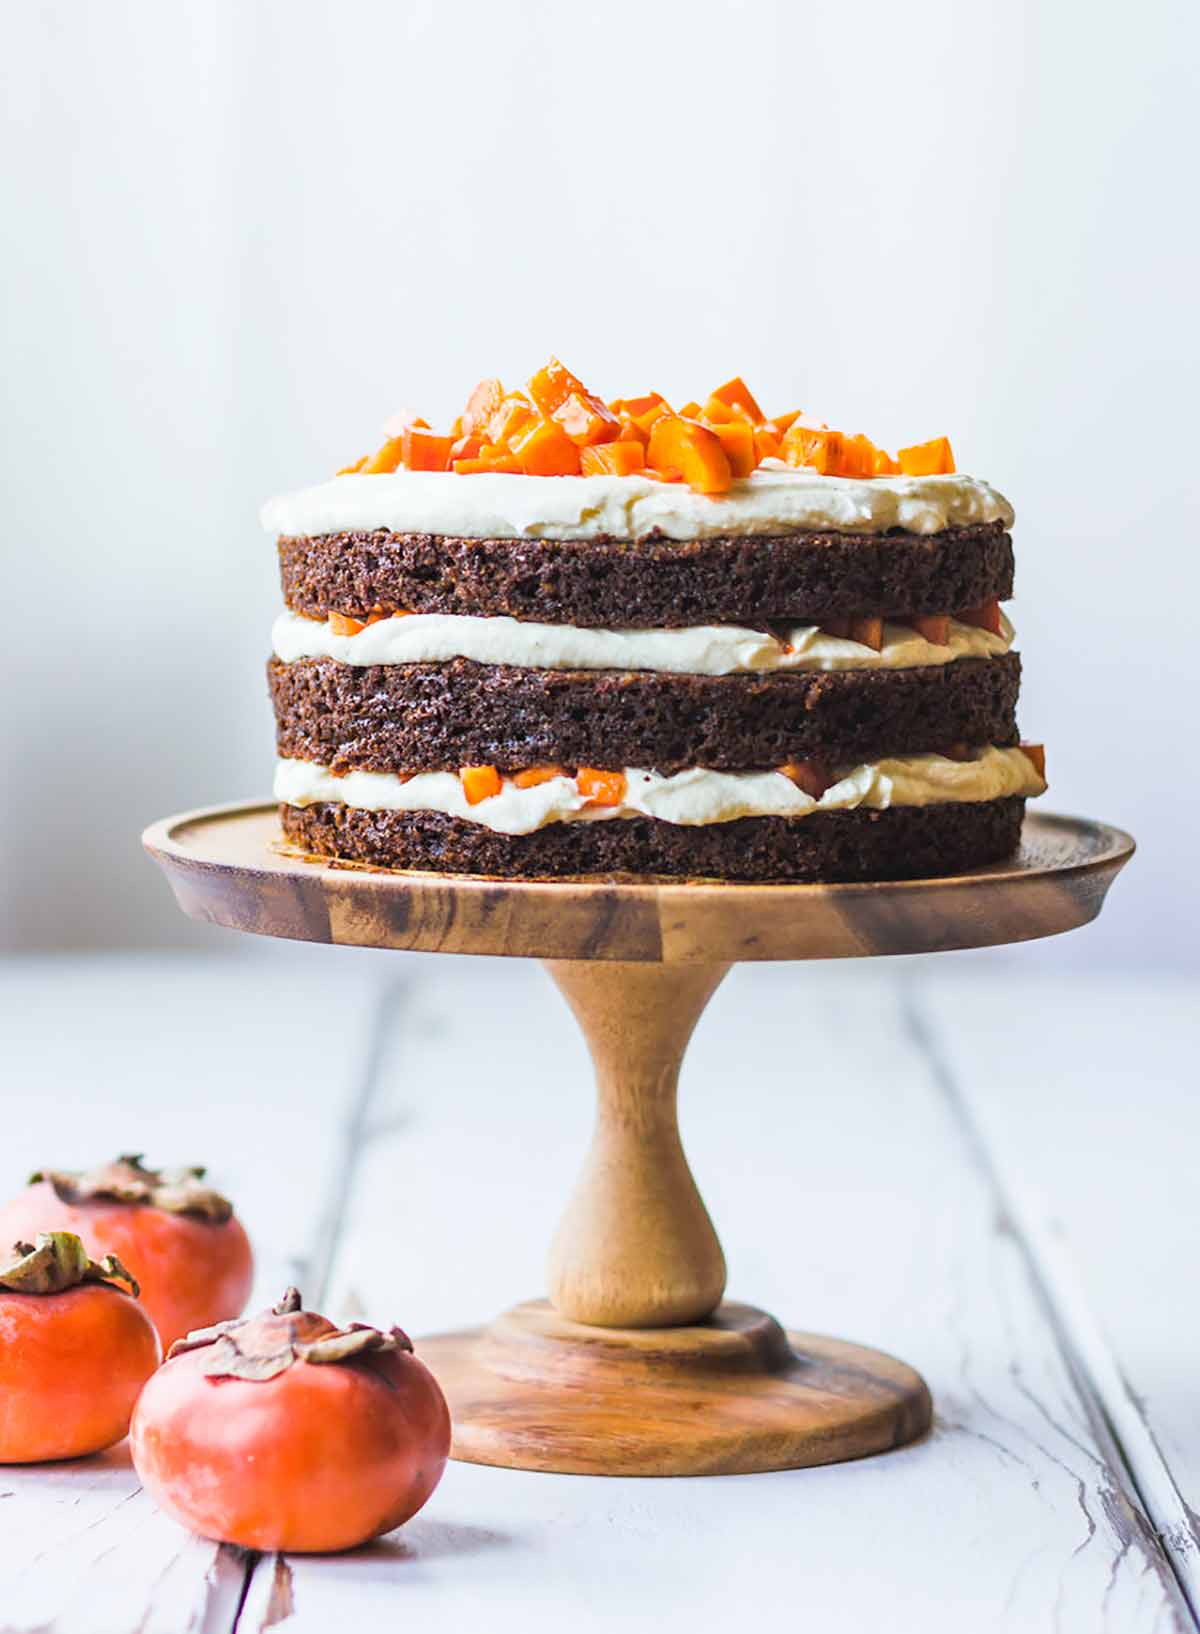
x,y
636,1247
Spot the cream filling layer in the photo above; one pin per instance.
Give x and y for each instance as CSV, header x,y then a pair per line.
x,y
706,649
773,499
691,798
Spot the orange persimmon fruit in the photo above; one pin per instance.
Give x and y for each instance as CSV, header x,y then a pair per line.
x,y
934,627
619,459
179,1237
984,617
932,459
482,404
811,775
552,385
586,420
480,783
600,788
1035,753
533,775
691,449
545,450
737,439
737,395
284,1432
424,450
76,1347
384,460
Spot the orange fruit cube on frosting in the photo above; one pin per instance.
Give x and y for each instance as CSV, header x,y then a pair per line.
x,y
931,459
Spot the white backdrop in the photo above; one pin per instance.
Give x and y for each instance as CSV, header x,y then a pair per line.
x,y
238,235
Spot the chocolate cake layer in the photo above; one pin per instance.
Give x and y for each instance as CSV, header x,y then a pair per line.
x,y
438,717
649,583
905,842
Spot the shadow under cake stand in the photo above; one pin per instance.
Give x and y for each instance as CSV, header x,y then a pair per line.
x,y
636,1365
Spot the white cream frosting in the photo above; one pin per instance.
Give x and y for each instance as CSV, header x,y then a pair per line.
x,y
691,798
774,499
704,649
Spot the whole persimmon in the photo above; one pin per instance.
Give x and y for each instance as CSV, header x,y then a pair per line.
x,y
282,1431
75,1350
178,1236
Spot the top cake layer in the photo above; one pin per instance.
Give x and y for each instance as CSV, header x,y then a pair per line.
x,y
775,499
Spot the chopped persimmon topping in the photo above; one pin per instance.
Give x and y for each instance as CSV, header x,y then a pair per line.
x,y
692,450
556,426
738,395
1035,754
812,775
935,627
619,459
480,783
424,450
533,775
343,624
868,632
931,459
984,617
600,788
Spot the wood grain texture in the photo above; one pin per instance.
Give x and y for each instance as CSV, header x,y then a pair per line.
x,y
636,1247
732,1396
226,865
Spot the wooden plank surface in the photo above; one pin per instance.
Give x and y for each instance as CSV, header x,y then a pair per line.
x,y
858,1132
849,1203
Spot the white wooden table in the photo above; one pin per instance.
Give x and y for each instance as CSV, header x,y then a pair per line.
x,y
998,1168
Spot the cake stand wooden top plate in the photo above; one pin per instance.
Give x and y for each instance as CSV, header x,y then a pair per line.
x,y
229,865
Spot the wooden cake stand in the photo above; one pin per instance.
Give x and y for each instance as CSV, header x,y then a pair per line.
x,y
635,1365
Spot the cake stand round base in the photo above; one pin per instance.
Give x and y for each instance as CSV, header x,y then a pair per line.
x,y
636,1367
728,1396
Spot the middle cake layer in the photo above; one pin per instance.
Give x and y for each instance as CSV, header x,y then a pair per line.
x,y
440,716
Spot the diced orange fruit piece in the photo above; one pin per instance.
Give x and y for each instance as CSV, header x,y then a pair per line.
x,y
534,775
931,459
737,439
619,459
465,447
343,624
349,470
385,459
637,406
631,432
545,450
482,404
811,775
1035,753
934,627
814,446
424,450
737,394
984,617
767,443
858,457
494,460
600,788
480,783
885,465
717,411
868,632
691,411
550,387
692,450
783,423
647,419
513,416
586,420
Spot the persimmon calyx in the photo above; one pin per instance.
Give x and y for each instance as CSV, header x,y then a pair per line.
x,y
127,1180
58,1261
264,1346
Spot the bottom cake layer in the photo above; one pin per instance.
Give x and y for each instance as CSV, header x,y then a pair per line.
x,y
902,842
